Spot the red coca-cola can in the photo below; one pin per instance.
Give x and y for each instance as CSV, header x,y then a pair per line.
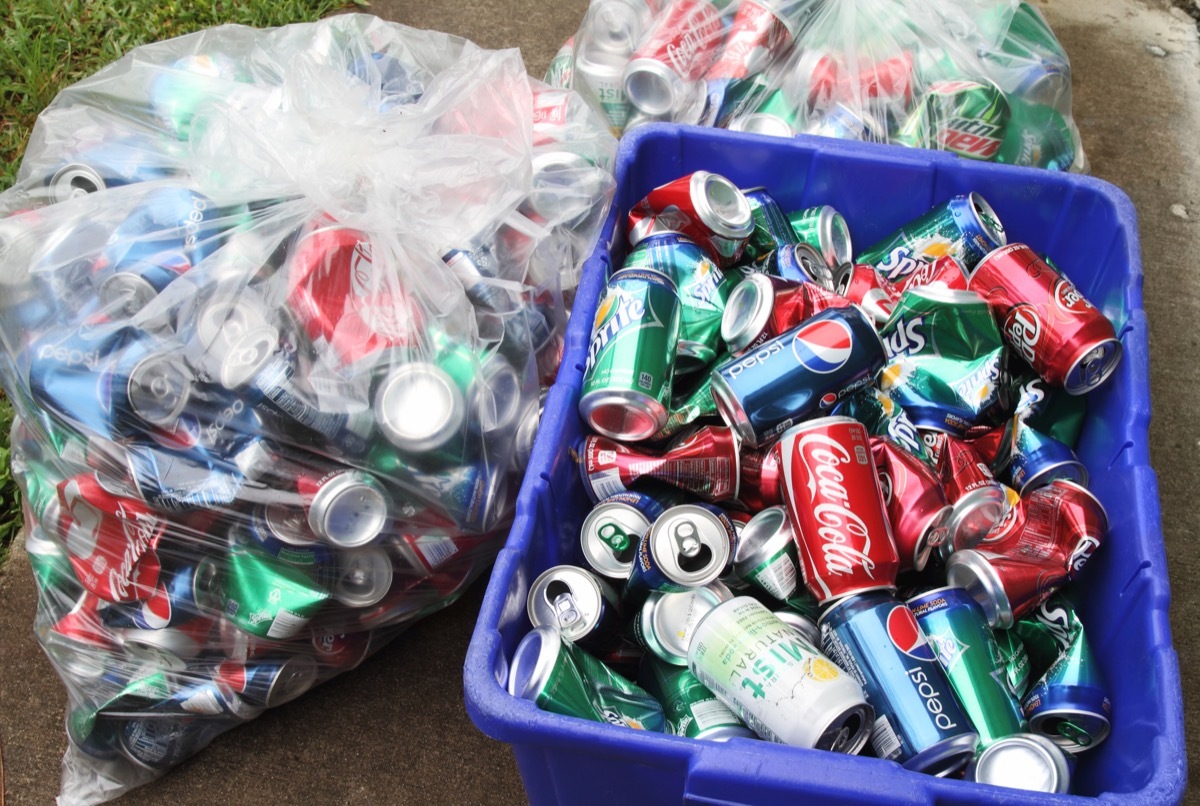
x,y
757,36
343,299
979,500
1046,320
916,504
836,509
762,307
866,288
946,271
704,463
110,539
704,206
677,50
815,78
762,477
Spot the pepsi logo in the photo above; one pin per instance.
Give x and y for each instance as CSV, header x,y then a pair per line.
x,y
828,399
906,635
156,611
823,346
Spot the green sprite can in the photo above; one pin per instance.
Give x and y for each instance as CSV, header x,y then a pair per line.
x,y
631,356
968,118
1051,410
1016,660
1037,136
690,708
824,229
967,649
262,595
563,679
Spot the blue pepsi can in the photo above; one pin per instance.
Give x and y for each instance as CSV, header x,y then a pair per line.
x,y
134,282
159,743
108,379
213,428
799,262
267,682
171,220
799,374
919,723
176,482
172,603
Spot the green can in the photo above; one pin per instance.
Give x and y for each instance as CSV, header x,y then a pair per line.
x,y
824,229
1016,660
631,357
559,73
698,405
1030,35
884,417
1050,410
563,679
777,115
262,595
1038,137
772,229
967,650
690,708
968,118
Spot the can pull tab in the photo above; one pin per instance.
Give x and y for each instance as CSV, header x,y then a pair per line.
x,y
565,609
687,539
614,537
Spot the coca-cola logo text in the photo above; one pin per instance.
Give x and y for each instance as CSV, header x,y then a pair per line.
x,y
845,539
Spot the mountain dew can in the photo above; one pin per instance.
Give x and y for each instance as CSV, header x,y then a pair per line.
x,y
563,679
631,357
690,708
967,118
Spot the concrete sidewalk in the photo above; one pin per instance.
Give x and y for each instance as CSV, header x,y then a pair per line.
x,y
395,729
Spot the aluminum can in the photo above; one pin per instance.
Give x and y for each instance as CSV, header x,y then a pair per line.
x,y
797,375
1029,459
560,72
361,576
836,509
631,356
161,695
824,229
945,272
112,162
772,230
704,463
268,683
804,625
690,708
702,288
967,118
866,288
979,501
96,738
1016,660
704,206
798,262
1061,524
687,547
1050,410
777,115
1023,761
791,693
580,605
173,602
766,554
613,528
171,220
666,621
135,281
1038,136
337,648
762,475
916,503
159,743
168,648
1006,587
1046,320
470,495
261,595
918,720
599,76
675,51
760,33
345,506
282,530
847,122
419,407
965,227
967,650
564,679
761,307
884,417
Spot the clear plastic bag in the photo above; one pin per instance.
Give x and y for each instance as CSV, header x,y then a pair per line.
x,y
985,79
277,310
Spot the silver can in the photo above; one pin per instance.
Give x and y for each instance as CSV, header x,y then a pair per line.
x,y
159,387
610,536
789,693
363,576
1023,761
766,554
805,627
580,605
688,546
666,622
346,507
419,407
74,180
824,229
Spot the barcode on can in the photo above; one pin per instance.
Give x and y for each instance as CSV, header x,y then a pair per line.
x,y
436,549
711,714
884,739
606,482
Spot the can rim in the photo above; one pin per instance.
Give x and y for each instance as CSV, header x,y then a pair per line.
x,y
761,536
967,507
644,77
652,412
583,584
1113,352
1038,480
731,410
380,571
986,217
287,688
945,757
822,274
323,503
668,564
533,661
1062,742
435,433
703,187
971,570
606,562
763,123
1041,746
939,520
62,184
755,313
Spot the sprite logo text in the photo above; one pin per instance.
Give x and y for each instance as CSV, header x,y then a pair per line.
x,y
906,338
628,312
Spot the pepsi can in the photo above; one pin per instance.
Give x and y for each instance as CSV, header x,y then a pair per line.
x,y
172,603
919,723
798,374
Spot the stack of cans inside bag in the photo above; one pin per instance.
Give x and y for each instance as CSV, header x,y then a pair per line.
x,y
256,441
835,501
988,82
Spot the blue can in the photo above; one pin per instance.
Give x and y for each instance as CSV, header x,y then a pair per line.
x,y
283,532
159,743
349,432
136,281
109,379
798,262
1029,459
176,482
213,428
919,723
113,162
171,605
797,375
171,220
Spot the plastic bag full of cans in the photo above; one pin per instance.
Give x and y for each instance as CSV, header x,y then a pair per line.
x,y
835,500
277,310
985,79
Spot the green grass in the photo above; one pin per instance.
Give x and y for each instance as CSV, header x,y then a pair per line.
x,y
46,45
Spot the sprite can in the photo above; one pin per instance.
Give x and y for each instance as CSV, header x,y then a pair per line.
x,y
968,118
824,229
563,679
264,596
631,356
690,708
777,115
1037,136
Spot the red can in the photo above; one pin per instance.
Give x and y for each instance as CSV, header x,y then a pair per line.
x,y
757,36
866,288
890,80
946,270
836,509
704,463
110,539
762,476
677,49
343,299
916,504
704,206
762,307
1046,320
1006,587
979,500
987,444
338,648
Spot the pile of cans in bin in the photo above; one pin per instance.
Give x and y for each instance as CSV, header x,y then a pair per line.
x,y
856,498
994,86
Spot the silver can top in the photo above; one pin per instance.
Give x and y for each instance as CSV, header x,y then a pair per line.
x,y
569,599
1023,761
610,536
747,311
158,388
616,25
989,222
533,661
836,246
74,180
286,523
813,265
970,569
296,676
1096,362
525,435
419,407
364,576
350,509
667,621
766,553
125,293
722,207
652,87
763,123
805,627
690,545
